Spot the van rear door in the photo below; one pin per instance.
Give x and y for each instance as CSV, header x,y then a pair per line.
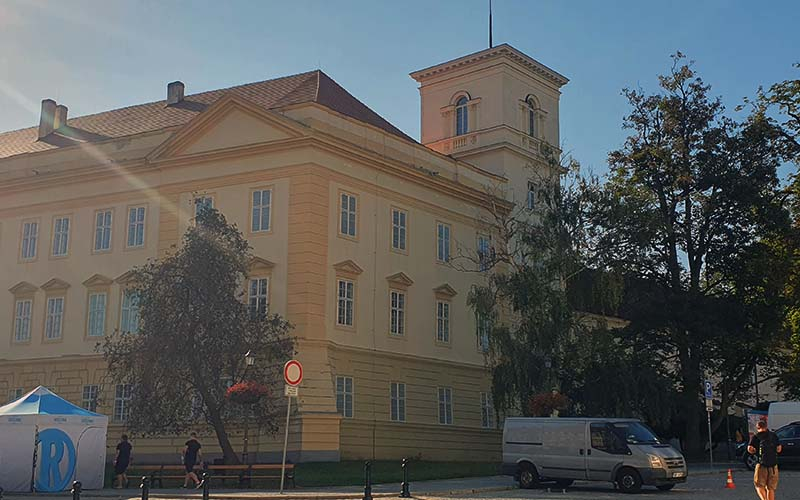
x,y
563,449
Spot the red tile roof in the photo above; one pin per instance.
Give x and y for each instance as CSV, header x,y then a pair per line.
x,y
313,86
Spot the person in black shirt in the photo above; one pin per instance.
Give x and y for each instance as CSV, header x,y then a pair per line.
x,y
122,461
191,455
765,446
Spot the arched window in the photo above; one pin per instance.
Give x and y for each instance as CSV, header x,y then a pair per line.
x,y
462,116
531,117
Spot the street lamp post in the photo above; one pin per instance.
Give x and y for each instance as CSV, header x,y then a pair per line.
x,y
249,360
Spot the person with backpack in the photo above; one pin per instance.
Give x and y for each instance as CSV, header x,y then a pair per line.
x,y
766,447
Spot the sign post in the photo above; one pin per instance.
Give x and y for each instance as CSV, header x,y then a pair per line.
x,y
292,375
709,394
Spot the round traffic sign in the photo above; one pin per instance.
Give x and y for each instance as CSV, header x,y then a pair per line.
x,y
293,372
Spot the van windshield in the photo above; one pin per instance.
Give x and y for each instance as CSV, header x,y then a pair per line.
x,y
635,433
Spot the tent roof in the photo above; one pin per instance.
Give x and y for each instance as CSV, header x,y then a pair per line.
x,y
41,401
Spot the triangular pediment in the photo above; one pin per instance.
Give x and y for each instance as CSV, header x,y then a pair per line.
x,y
228,123
23,287
257,264
445,291
126,277
348,267
400,279
55,284
98,280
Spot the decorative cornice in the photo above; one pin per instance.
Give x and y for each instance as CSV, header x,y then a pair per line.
x,y
445,290
503,50
348,267
23,287
126,277
55,284
258,264
98,280
400,279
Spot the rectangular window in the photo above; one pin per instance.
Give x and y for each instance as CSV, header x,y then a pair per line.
x,y
262,204
442,321
22,320
15,394
97,315
347,223
442,242
397,305
122,400
102,231
30,238
89,400
136,226
60,236
445,406
345,303
399,228
55,317
202,203
344,396
258,296
129,319
397,394
531,200
484,252
487,411
484,327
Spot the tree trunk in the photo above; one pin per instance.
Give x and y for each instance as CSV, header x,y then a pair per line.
x,y
229,455
691,380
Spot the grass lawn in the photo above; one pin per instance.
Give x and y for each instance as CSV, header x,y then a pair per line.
x,y
352,473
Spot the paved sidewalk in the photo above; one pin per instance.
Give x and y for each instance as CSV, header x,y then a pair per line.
x,y
445,487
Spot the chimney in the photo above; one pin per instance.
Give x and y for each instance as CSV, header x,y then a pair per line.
x,y
61,117
47,117
174,93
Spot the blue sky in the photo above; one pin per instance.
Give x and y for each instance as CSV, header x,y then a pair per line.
x,y
98,55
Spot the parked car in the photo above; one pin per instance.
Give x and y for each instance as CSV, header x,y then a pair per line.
x,y
789,437
561,450
783,412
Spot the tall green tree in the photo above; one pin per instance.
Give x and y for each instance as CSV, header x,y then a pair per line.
x,y
689,201
195,329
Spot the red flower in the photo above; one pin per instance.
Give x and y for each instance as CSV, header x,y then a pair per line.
x,y
247,392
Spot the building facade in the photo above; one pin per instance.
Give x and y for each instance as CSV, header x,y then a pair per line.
x,y
354,226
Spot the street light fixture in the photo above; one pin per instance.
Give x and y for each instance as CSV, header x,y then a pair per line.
x,y
249,360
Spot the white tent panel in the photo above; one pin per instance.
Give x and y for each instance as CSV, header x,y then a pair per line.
x,y
17,441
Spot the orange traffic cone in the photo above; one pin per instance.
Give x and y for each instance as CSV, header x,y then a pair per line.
x,y
729,484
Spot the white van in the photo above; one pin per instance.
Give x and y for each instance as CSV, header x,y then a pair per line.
x,y
783,413
618,450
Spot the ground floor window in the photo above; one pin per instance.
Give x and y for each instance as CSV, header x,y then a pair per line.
x,y
344,396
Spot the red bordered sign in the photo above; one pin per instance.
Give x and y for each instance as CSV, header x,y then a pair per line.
x,y
293,372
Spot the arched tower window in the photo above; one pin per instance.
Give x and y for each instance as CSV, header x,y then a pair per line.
x,y
531,117
462,116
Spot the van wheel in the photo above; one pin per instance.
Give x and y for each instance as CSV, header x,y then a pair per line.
x,y
528,477
563,483
665,487
629,481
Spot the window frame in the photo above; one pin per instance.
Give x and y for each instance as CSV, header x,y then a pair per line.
x,y
530,196
17,392
36,240
253,191
258,296
199,197
124,408
400,309
143,244
488,419
484,263
397,402
123,293
344,394
445,338
89,312
447,392
92,402
352,301
46,338
403,229
340,211
110,228
15,318
461,112
63,236
449,248
483,321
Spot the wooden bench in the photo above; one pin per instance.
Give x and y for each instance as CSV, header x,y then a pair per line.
x,y
242,474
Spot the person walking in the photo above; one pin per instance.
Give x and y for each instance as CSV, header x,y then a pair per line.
x,y
191,455
766,447
121,462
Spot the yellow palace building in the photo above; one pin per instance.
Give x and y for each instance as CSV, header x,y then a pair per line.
x,y
354,226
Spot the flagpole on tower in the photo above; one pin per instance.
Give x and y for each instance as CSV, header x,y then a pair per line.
x,y
490,24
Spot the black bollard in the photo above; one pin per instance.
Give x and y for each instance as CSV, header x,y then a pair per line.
x,y
206,485
405,487
76,490
367,481
145,486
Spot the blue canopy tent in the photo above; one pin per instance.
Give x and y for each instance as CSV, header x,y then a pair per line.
x,y
46,442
